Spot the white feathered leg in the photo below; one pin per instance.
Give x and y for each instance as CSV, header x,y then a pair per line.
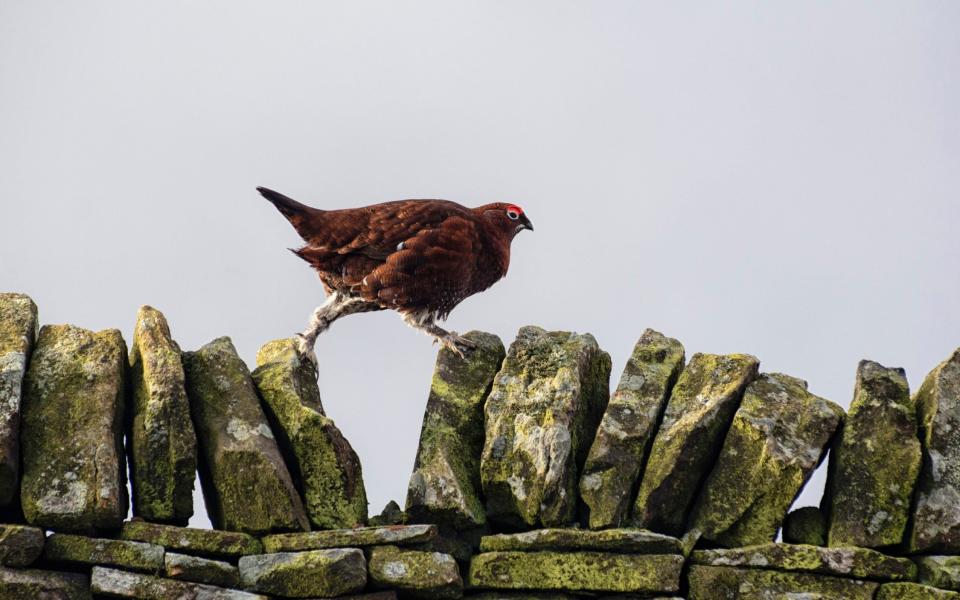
x,y
426,322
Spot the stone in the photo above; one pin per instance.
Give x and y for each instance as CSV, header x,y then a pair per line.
x,y
860,563
395,535
324,466
20,545
940,571
776,440
936,518
522,595
619,451
223,544
576,571
122,584
415,574
697,416
74,467
246,485
720,583
163,445
805,525
445,485
325,573
18,332
540,418
200,570
390,515
62,548
631,541
913,591
34,584
874,463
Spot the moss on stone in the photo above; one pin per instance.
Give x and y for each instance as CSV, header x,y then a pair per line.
x,y
805,525
34,584
940,571
122,584
80,550
634,541
20,545
402,535
913,591
415,574
226,544
324,573
18,330
720,583
200,570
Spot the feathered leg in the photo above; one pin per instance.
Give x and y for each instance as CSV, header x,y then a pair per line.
x,y
337,304
426,323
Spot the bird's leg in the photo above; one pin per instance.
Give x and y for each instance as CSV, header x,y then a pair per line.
x,y
335,306
426,323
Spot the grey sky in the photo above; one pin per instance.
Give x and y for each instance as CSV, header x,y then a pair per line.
x,y
757,177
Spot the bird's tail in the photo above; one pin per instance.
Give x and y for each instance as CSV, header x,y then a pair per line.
x,y
304,219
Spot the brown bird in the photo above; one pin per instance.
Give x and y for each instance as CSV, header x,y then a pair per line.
x,y
418,257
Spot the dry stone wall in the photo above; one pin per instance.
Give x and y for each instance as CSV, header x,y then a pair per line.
x,y
531,480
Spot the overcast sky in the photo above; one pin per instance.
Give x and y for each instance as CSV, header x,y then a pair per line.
x,y
771,178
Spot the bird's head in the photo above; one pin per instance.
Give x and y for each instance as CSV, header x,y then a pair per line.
x,y
507,218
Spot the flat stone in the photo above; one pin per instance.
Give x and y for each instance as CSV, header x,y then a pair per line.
x,y
805,525
940,571
20,545
576,571
163,445
246,485
224,544
324,573
74,467
523,595
382,595
146,587
720,583
415,574
874,463
913,591
445,485
396,535
776,440
200,570
34,584
324,465
80,550
18,332
623,440
846,562
697,416
936,518
632,541
544,407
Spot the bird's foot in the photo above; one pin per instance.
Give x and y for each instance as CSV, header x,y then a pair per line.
x,y
305,350
455,343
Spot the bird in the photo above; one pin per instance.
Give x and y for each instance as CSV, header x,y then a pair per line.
x,y
420,258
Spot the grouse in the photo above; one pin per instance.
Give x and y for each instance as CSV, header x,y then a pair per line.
x,y
418,257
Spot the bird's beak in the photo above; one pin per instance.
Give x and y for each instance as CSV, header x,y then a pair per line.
x,y
526,224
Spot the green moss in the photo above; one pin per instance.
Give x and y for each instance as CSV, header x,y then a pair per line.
x,y
636,541
360,537
31,584
18,323
225,544
20,545
913,591
940,571
414,573
202,570
75,549
805,525
717,583
325,573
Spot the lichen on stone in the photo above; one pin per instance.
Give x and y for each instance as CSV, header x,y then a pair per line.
x,y
225,544
805,525
323,573
913,591
415,574
80,550
715,583
18,331
633,541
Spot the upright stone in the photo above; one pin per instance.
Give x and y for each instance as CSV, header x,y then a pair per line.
x,y
700,409
445,485
163,445
246,485
936,518
874,464
777,439
74,472
805,525
18,331
612,471
541,415
323,464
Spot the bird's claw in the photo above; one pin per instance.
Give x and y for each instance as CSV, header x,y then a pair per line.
x,y
456,344
305,351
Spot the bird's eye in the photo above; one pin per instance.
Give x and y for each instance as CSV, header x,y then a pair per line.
x,y
514,215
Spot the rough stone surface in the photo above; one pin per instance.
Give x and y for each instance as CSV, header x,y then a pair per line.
x,y
201,570
325,573
874,463
18,331
74,471
698,413
246,485
540,417
721,583
415,574
913,591
611,473
397,535
34,584
20,545
522,595
324,466
80,550
122,584
776,440
225,544
845,562
391,514
576,571
940,571
163,445
936,518
633,541
445,485
805,525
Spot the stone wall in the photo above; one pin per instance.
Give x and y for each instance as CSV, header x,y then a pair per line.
x,y
532,480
